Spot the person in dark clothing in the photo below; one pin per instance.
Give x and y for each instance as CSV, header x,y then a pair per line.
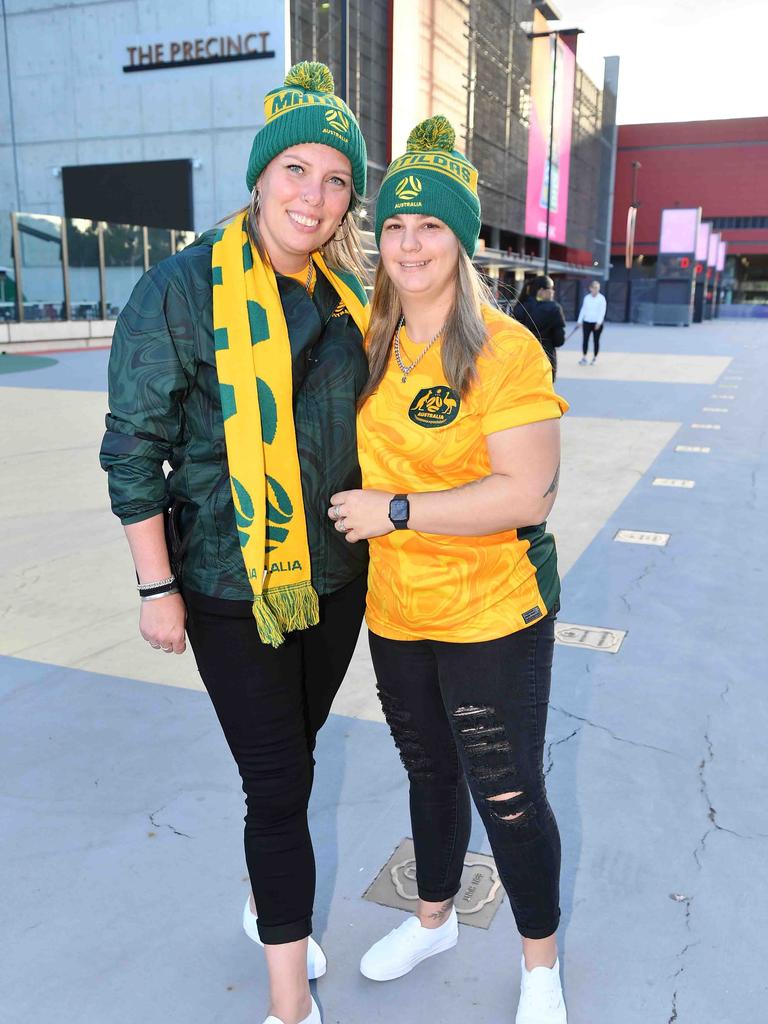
x,y
537,310
239,362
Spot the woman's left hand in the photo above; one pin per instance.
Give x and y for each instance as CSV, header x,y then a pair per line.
x,y
361,514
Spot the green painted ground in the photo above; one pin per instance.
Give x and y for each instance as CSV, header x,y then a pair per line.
x,y
22,364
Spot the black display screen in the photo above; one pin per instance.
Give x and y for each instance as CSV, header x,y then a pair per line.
x,y
151,193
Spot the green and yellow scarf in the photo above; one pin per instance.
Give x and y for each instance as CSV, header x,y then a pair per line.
x,y
253,362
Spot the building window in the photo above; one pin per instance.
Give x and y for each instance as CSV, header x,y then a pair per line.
x,y
719,223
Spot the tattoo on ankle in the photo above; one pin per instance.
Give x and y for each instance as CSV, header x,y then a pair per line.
x,y
442,913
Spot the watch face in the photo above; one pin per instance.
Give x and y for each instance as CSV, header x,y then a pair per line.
x,y
398,510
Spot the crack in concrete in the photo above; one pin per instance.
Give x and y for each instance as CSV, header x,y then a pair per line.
x,y
711,812
636,583
556,743
673,1015
612,734
163,824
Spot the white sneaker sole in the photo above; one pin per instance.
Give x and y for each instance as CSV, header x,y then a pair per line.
x,y
414,961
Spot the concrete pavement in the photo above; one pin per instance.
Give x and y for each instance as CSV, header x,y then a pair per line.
x,y
120,811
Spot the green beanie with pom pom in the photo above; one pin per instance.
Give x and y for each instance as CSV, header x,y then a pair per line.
x,y
305,109
435,180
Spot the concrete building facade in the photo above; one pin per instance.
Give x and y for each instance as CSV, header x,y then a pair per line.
x,y
128,112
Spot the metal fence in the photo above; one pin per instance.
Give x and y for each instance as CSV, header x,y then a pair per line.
x,y
70,269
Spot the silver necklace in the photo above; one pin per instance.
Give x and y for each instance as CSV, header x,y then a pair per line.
x,y
405,369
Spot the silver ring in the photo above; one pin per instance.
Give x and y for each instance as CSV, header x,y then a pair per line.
x,y
168,650
337,513
340,525
155,647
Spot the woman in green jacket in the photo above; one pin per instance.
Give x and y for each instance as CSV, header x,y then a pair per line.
x,y
239,362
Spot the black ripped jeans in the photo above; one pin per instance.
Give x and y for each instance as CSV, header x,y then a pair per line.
x,y
476,713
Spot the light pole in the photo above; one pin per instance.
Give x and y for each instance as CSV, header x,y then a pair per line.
x,y
629,259
345,51
557,33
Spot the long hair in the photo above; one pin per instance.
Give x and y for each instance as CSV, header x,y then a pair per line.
x,y
344,253
464,334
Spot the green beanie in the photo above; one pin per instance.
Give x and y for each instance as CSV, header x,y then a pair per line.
x,y
306,110
433,179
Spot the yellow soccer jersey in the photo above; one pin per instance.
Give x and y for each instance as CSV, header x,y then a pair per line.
x,y
423,436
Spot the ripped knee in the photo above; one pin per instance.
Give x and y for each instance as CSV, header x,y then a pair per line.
x,y
491,762
508,806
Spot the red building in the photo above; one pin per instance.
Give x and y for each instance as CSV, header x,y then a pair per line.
x,y
721,166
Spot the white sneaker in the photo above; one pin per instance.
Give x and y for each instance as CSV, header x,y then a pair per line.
x,y
313,1018
541,996
317,965
583,361
399,952
594,361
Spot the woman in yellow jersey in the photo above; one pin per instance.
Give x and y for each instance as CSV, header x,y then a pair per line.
x,y
458,437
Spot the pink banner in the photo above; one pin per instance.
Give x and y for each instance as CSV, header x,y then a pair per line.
x,y
702,240
714,243
679,229
721,248
539,170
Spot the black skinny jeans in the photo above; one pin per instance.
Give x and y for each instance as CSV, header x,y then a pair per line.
x,y
476,713
271,703
595,331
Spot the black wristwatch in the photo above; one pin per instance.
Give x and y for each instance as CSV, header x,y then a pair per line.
x,y
399,511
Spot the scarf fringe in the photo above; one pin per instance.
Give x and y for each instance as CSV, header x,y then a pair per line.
x,y
285,609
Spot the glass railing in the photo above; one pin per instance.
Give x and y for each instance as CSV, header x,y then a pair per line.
x,y
54,268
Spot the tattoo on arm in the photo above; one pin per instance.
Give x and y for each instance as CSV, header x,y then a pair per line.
x,y
553,485
442,913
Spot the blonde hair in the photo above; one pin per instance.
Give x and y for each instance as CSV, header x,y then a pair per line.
x,y
464,335
345,253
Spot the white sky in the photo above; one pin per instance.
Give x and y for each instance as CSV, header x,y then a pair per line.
x,y
681,60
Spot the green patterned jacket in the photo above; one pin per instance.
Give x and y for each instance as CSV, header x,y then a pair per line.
x,y
164,406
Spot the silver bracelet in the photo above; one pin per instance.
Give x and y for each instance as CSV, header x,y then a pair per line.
x,y
156,597
158,583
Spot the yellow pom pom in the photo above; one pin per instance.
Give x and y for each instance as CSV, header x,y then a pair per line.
x,y
434,133
310,75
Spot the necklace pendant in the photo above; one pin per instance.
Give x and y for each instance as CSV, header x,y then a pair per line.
x,y
404,380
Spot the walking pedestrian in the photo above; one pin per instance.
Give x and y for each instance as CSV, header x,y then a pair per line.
x,y
458,436
537,310
239,362
592,318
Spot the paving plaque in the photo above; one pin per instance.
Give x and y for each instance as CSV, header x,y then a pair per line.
x,y
705,426
713,408
729,387
660,540
693,448
476,903
596,638
724,398
663,481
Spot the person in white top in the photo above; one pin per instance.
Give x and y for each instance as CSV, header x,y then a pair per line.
x,y
591,317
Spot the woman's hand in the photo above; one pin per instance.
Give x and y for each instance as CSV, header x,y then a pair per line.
x,y
162,623
361,514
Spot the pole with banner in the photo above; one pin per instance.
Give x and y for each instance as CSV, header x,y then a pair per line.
x,y
709,294
676,265
553,73
700,270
